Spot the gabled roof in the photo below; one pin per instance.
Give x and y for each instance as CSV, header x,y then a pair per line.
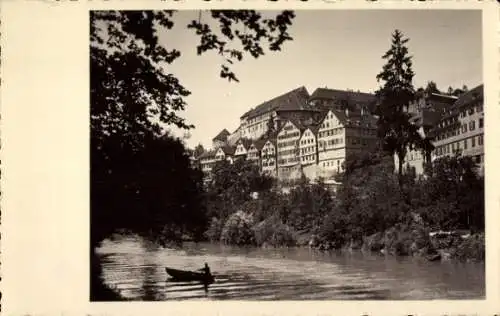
x,y
293,100
228,150
245,141
259,143
352,116
222,136
314,128
295,122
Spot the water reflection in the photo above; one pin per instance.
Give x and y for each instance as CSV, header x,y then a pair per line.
x,y
137,270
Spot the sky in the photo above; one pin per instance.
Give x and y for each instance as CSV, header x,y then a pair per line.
x,y
338,49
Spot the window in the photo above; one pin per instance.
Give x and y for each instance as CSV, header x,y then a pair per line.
x,y
480,140
472,125
473,140
471,111
481,123
465,143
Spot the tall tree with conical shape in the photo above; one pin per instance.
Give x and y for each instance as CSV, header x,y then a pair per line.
x,y
394,95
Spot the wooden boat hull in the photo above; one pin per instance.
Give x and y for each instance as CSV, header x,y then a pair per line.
x,y
188,276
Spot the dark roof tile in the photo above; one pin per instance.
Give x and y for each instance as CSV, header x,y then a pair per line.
x,y
293,100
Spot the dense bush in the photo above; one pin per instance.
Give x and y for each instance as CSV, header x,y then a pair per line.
x,y
238,229
471,248
272,232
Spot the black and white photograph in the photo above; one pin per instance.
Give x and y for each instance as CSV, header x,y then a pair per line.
x,y
273,158
287,155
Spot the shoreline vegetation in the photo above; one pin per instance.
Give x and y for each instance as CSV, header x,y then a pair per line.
x,y
143,180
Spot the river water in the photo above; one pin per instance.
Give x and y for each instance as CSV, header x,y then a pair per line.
x,y
136,269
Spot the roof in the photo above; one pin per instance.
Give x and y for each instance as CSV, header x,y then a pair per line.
x,y
334,94
471,96
314,128
245,141
295,122
228,150
259,143
352,116
292,100
223,135
207,154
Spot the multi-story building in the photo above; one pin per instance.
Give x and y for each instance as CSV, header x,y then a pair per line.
x,y
453,129
287,142
431,101
461,129
257,122
268,157
241,148
225,153
346,127
254,152
309,151
207,162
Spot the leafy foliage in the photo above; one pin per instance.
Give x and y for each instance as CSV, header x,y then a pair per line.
x,y
141,180
238,229
145,190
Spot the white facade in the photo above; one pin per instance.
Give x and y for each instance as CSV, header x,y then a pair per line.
x,y
331,145
253,154
268,157
308,150
240,149
288,152
288,145
256,126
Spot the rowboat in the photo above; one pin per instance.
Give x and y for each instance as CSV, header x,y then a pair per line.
x,y
189,276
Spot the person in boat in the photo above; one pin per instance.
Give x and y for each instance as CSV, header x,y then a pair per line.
x,y
208,275
205,269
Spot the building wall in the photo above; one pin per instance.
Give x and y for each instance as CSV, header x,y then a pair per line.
x,y
268,157
308,148
288,151
216,143
460,131
255,127
240,150
253,155
207,164
468,136
331,146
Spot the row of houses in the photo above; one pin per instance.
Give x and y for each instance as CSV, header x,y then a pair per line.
x,y
299,134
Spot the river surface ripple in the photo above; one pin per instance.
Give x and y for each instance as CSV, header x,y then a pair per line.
x,y
136,269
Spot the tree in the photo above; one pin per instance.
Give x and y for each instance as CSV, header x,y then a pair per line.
x,y
394,96
133,97
198,150
129,84
432,87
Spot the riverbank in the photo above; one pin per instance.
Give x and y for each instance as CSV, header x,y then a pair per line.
x,y
414,241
